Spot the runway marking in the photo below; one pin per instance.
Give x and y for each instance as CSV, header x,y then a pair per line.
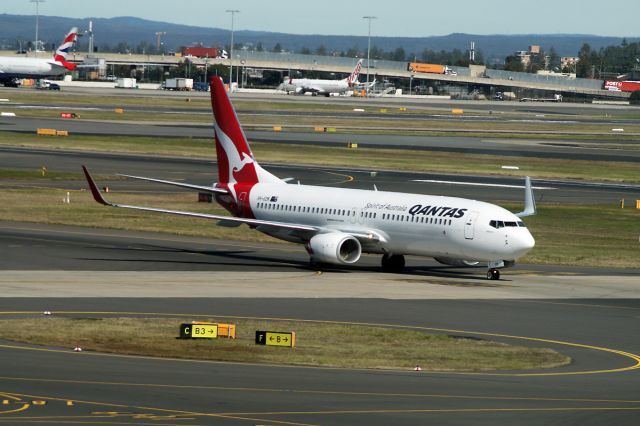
x,y
449,410
496,185
348,178
587,305
634,357
72,420
311,392
244,416
112,414
25,405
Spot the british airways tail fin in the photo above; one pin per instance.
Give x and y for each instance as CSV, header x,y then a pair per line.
x,y
63,50
353,78
236,164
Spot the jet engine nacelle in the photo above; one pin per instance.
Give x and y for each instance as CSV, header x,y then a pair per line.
x,y
336,248
455,262
299,90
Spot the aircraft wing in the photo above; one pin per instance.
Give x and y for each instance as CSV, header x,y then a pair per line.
x,y
228,219
180,184
364,235
364,85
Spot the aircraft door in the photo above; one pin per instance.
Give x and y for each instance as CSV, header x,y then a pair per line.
x,y
354,214
469,225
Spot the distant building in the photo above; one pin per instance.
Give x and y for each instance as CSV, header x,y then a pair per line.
x,y
568,62
524,56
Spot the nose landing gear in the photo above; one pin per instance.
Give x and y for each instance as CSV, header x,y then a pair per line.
x,y
493,274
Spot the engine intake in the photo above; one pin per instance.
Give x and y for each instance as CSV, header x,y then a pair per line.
x,y
336,248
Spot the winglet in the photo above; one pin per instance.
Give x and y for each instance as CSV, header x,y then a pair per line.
x,y
94,189
529,200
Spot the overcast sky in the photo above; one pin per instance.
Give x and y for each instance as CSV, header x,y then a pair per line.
x,y
404,18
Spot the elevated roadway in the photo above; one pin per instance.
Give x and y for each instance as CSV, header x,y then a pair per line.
x,y
286,62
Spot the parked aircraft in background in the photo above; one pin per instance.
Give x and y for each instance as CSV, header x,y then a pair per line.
x,y
12,70
337,225
300,86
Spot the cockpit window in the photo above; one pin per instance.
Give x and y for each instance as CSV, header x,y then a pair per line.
x,y
501,224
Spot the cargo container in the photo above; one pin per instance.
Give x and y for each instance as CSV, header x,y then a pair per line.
x,y
126,83
622,86
184,84
200,52
429,68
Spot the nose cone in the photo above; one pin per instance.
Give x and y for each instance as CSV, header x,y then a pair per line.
x,y
522,243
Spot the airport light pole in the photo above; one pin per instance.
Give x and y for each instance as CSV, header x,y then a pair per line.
x,y
233,15
368,48
37,2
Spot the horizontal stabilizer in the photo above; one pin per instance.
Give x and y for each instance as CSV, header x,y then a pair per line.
x,y
211,189
226,219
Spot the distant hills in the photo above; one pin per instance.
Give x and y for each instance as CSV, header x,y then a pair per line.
x,y
133,31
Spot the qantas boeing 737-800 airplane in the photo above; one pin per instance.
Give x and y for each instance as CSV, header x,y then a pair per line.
x,y
337,225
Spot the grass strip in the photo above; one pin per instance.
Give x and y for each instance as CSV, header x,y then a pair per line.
x,y
37,175
373,158
389,125
317,344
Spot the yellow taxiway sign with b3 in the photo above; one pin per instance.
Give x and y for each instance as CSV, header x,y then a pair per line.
x,y
199,331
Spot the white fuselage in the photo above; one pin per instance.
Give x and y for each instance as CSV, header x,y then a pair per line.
x,y
413,224
11,68
302,85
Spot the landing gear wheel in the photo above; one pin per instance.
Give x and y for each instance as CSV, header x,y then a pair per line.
x,y
493,274
392,263
314,265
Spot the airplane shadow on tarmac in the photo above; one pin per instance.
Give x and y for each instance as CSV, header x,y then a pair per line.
x,y
250,260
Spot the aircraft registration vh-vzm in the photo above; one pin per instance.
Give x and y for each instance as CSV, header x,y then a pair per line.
x,y
337,225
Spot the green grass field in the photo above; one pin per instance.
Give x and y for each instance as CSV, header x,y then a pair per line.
x,y
317,344
367,158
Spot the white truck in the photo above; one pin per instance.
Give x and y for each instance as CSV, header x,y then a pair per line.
x,y
126,83
185,84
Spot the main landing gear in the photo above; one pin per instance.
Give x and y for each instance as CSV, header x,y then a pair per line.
x,y
493,274
392,263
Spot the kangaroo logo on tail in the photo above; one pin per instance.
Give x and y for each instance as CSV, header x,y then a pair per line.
x,y
353,78
237,169
63,50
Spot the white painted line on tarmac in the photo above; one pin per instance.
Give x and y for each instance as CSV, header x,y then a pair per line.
x,y
496,185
